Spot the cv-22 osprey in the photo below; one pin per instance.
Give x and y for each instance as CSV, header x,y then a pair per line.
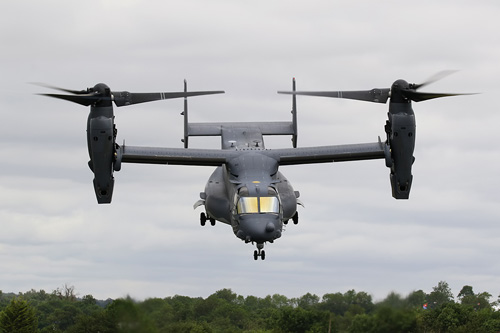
x,y
246,190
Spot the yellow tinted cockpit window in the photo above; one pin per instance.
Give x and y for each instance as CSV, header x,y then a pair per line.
x,y
248,205
269,205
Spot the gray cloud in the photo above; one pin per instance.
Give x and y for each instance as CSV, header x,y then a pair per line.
x,y
352,233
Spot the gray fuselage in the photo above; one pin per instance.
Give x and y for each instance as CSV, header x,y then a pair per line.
x,y
251,195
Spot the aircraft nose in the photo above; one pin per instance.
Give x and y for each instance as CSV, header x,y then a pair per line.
x,y
259,227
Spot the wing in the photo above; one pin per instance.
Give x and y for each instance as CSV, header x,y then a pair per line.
x,y
324,154
288,156
176,156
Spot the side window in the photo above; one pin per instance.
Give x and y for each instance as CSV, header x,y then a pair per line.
x,y
272,191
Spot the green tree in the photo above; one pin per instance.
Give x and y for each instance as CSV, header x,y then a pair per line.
x,y
62,316
125,316
393,300
416,299
279,301
299,320
362,324
390,319
225,311
308,301
338,303
253,304
5,299
226,294
18,317
183,307
451,316
441,294
159,311
364,300
36,297
203,309
477,301
466,291
91,323
230,318
483,300
334,303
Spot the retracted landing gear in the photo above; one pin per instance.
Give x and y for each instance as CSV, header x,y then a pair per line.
x,y
204,218
259,252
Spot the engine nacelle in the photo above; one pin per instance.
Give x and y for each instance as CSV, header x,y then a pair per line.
x,y
401,143
102,150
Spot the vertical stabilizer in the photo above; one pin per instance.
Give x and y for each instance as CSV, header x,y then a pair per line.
x,y
185,114
294,116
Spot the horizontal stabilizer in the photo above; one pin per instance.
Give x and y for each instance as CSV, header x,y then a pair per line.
x,y
215,129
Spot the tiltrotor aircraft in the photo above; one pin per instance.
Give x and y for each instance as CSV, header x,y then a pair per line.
x,y
246,190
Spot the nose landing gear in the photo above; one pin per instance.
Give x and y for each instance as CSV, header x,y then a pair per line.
x,y
259,252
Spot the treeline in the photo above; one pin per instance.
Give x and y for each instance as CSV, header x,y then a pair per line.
x,y
225,311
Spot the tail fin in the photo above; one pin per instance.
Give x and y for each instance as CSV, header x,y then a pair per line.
x,y
262,128
294,116
185,114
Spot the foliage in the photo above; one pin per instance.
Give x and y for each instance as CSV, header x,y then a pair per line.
x,y
441,294
18,317
477,301
225,311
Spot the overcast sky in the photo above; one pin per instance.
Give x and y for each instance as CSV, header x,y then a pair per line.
x,y
352,234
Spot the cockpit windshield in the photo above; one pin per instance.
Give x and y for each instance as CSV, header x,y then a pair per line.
x,y
269,205
253,205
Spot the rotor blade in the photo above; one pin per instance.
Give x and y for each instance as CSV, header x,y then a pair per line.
x,y
423,96
374,95
86,100
436,77
76,92
123,98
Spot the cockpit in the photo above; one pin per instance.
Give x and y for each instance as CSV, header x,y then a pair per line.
x,y
252,205
257,204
